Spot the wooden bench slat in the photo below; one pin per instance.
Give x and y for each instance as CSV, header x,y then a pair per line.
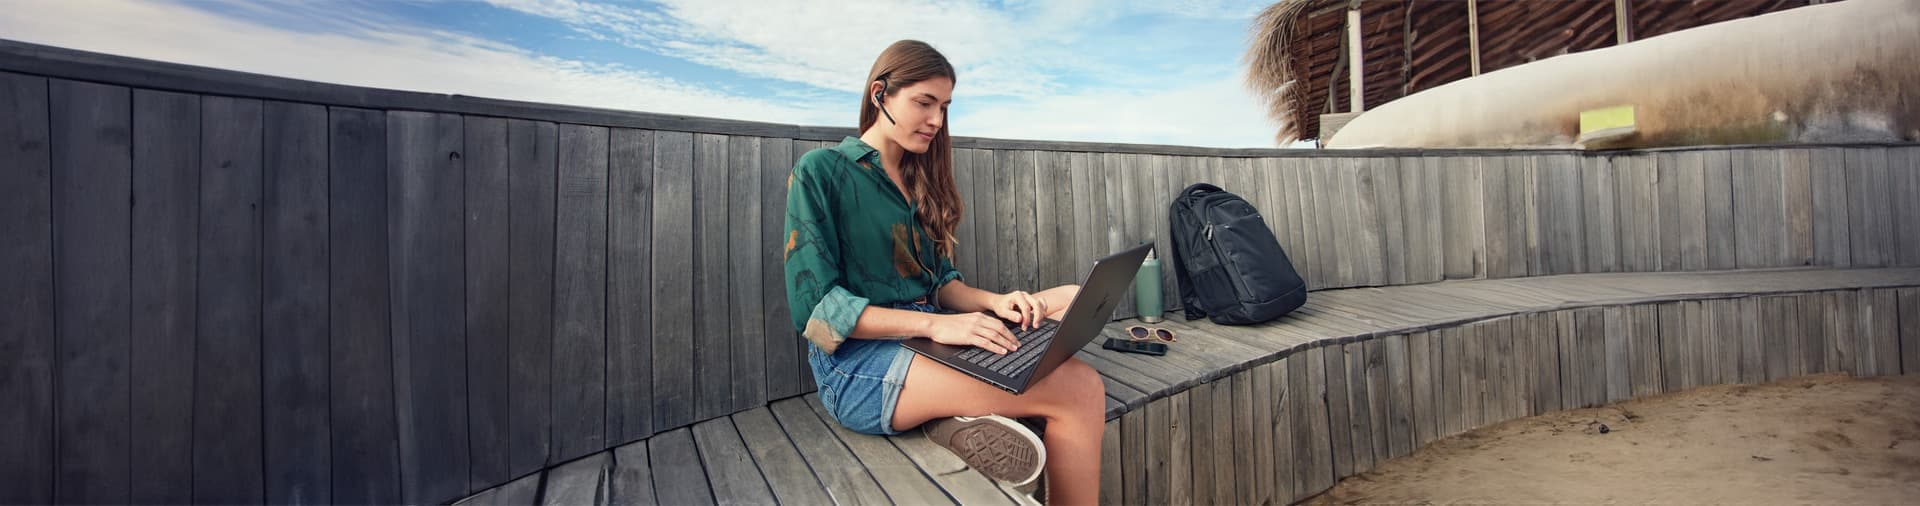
x,y
896,474
674,461
960,482
578,482
788,476
735,478
845,479
631,481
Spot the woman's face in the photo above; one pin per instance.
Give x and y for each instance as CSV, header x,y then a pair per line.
x,y
919,111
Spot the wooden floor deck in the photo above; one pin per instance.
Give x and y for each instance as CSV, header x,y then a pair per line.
x,y
1193,426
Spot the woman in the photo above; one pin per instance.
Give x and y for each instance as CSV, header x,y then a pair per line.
x,y
869,262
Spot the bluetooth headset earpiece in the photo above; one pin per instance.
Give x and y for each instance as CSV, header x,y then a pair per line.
x,y
879,102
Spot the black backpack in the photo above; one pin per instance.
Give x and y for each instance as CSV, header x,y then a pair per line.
x,y
1229,265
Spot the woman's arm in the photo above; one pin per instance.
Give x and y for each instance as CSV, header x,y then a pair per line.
x,y
957,296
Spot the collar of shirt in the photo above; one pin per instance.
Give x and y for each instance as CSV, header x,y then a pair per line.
x,y
868,158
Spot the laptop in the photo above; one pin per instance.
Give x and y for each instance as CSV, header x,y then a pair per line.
x,y
1045,347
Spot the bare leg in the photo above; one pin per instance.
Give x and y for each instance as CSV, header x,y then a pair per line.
x,y
1071,399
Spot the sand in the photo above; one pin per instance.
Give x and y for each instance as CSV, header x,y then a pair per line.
x,y
1827,439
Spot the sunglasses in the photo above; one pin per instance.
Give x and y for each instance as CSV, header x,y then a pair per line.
x,y
1139,333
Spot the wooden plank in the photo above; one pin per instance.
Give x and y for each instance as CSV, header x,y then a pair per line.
x,y
1113,480
896,474
1571,359
1598,213
672,254
785,351
1590,331
1339,412
1336,267
1180,456
1673,352
1752,346
1727,336
91,183
674,462
1024,175
165,221
532,168
1452,365
366,461
425,180
1903,184
1832,233
1777,335
1391,216
629,357
1007,245
1808,344
631,479
1700,344
1225,484
959,482
713,337
295,418
1717,186
1759,212
1841,327
1639,208
1645,333
1379,397
1089,216
1545,339
1620,354
1349,231
1881,308
1200,416
839,471
1298,177
1052,220
577,482
1462,205
1398,395
1246,484
1909,300
725,455
1133,456
1279,400
1505,232
1562,228
1160,189
1360,403
487,213
521,492
26,277
963,232
986,185
1311,439
1159,446
1683,211
227,384
1364,179
1796,182
1262,406
1869,207
748,376
1420,213
787,475
580,294
1422,361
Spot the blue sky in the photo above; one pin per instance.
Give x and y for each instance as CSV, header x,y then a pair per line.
x,y
1164,72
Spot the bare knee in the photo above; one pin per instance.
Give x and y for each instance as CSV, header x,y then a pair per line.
x,y
1078,389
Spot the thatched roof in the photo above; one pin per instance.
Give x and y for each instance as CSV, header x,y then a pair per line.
x,y
1296,60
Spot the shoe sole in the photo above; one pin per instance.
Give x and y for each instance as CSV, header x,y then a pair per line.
x,y
999,448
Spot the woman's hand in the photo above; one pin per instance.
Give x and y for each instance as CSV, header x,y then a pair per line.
x,y
1020,307
973,329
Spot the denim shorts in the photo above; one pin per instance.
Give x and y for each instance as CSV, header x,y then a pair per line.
x,y
860,382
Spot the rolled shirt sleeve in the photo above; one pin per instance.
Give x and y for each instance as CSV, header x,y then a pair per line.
x,y
814,274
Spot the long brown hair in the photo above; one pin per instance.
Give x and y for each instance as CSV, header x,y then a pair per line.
x,y
927,176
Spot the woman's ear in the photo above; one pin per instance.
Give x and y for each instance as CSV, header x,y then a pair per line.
x,y
874,90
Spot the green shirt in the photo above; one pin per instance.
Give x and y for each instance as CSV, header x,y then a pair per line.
x,y
852,241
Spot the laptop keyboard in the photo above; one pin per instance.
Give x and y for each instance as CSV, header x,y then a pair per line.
x,y
1033,342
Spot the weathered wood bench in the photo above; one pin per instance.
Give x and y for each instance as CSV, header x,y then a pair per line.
x,y
1278,412
234,288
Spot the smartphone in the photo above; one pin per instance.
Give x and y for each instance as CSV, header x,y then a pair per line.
x,y
1141,347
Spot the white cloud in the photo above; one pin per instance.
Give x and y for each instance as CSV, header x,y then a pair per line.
x,y
1208,113
1014,61
376,53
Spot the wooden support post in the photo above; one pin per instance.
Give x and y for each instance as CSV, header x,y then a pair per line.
x,y
1356,69
1622,22
1473,35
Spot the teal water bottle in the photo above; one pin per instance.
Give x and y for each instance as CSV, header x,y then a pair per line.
x,y
1146,289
